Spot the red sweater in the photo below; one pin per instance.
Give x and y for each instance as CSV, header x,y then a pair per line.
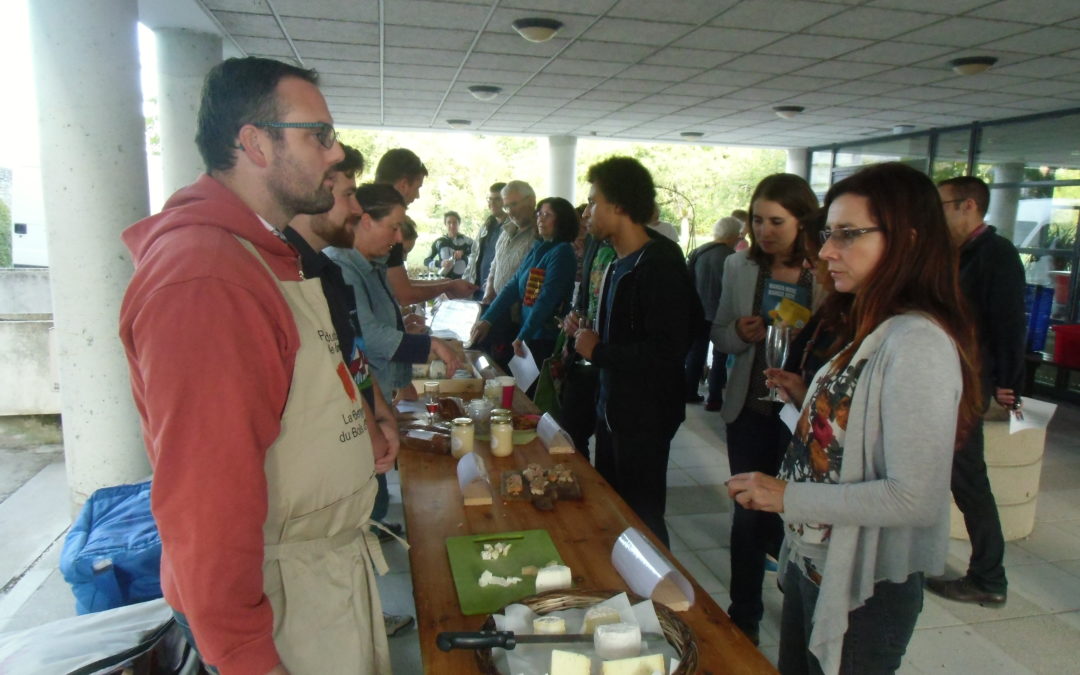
x,y
210,342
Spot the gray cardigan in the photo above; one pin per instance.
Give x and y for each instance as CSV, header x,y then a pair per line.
x,y
890,511
736,300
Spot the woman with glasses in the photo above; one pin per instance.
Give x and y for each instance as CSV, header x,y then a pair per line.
x,y
864,486
754,283
542,283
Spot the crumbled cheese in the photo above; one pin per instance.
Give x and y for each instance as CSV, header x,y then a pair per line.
x,y
489,579
495,551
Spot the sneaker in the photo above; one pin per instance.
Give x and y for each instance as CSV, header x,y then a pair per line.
x,y
395,623
384,537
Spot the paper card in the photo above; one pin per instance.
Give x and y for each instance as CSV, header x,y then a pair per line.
x,y
473,479
553,436
1037,415
524,369
789,415
648,573
415,407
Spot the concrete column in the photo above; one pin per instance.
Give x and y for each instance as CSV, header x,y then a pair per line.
x,y
796,162
562,169
93,160
184,58
1004,201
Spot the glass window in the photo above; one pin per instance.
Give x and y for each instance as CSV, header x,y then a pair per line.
x,y
1030,151
913,150
820,171
951,156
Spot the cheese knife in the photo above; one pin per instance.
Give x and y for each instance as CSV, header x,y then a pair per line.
x,y
506,639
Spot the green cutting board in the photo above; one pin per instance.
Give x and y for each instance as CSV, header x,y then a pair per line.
x,y
534,547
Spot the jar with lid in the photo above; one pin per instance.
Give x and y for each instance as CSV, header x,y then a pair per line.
x,y
502,435
493,391
461,437
479,411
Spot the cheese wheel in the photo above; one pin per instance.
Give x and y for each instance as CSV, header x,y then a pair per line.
x,y
553,577
617,640
652,664
599,615
569,663
549,625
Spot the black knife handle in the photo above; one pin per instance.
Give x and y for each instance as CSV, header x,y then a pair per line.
x,y
475,640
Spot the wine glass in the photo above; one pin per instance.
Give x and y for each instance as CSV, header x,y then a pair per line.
x,y
777,342
431,400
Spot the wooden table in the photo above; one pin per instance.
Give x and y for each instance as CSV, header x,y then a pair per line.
x,y
583,531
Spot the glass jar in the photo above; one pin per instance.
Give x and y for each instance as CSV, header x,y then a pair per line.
x,y
502,435
493,391
479,411
461,437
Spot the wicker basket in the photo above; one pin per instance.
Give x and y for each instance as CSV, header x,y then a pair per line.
x,y
676,631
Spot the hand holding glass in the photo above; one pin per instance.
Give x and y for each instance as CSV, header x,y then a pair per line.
x,y
777,342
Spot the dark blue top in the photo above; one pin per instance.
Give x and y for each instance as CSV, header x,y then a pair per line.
x,y
546,298
616,272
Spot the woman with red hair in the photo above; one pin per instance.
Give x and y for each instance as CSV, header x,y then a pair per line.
x,y
863,489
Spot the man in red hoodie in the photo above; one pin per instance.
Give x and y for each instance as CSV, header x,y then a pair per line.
x,y
264,467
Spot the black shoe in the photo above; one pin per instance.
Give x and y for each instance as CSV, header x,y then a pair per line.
x,y
965,590
694,398
384,537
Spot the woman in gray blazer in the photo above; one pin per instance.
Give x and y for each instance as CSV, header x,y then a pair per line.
x,y
754,279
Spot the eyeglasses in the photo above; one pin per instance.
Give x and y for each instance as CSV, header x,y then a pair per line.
x,y
326,133
845,235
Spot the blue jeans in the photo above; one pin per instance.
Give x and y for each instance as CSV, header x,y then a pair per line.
x,y
878,632
185,628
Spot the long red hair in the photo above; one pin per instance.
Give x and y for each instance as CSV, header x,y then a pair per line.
x,y
918,270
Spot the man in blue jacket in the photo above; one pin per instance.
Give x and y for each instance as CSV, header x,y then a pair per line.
x,y
643,330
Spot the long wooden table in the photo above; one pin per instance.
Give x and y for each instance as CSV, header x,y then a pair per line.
x,y
583,531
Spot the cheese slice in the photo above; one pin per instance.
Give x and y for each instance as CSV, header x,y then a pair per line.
x,y
569,663
653,664
553,577
617,640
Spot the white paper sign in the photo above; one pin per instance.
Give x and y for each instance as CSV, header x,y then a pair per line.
x,y
648,573
553,436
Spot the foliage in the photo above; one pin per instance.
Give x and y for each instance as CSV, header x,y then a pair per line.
x,y
5,235
714,180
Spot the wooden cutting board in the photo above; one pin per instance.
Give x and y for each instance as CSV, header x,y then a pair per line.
x,y
528,548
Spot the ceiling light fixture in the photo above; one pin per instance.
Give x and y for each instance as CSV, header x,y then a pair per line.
x,y
537,29
903,129
972,65
787,111
692,134
459,124
484,92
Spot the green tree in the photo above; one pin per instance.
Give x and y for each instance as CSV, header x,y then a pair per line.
x,y
5,235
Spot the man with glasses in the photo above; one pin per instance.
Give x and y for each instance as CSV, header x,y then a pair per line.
x,y
992,281
519,233
264,467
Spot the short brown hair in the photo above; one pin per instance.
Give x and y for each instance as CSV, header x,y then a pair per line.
x,y
970,187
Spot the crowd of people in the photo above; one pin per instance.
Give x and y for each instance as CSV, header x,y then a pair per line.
x,y
267,342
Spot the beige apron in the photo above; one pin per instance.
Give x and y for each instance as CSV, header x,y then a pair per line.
x,y
320,479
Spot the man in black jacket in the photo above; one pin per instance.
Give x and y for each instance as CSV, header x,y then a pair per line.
x,y
643,329
992,281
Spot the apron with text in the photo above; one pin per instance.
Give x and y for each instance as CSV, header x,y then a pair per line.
x,y
318,569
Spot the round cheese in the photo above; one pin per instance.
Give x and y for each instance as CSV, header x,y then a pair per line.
x,y
599,615
617,640
553,577
549,625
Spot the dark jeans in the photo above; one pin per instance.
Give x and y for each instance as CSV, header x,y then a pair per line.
x,y
635,464
878,632
382,499
578,403
185,628
971,490
540,349
695,364
755,442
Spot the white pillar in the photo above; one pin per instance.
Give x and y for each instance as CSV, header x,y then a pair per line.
x,y
796,162
562,169
93,164
1005,201
184,58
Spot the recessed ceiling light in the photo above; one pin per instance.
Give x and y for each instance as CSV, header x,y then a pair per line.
x,y
536,29
692,134
972,65
903,129
484,92
788,111
459,124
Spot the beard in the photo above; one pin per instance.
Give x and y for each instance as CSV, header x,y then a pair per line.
x,y
287,182
339,236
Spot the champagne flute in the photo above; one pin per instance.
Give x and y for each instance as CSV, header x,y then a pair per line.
x,y
431,400
777,343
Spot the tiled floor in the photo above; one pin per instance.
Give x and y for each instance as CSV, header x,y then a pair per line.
x,y
1036,632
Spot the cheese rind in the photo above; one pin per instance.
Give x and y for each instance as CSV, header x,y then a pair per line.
x,y
549,625
652,664
569,663
599,615
617,640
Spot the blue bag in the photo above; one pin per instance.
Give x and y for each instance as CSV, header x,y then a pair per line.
x,y
112,554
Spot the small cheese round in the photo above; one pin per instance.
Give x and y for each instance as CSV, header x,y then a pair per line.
x,y
549,625
599,615
553,577
617,640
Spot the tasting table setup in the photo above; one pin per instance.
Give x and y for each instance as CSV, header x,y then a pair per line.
x,y
584,532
